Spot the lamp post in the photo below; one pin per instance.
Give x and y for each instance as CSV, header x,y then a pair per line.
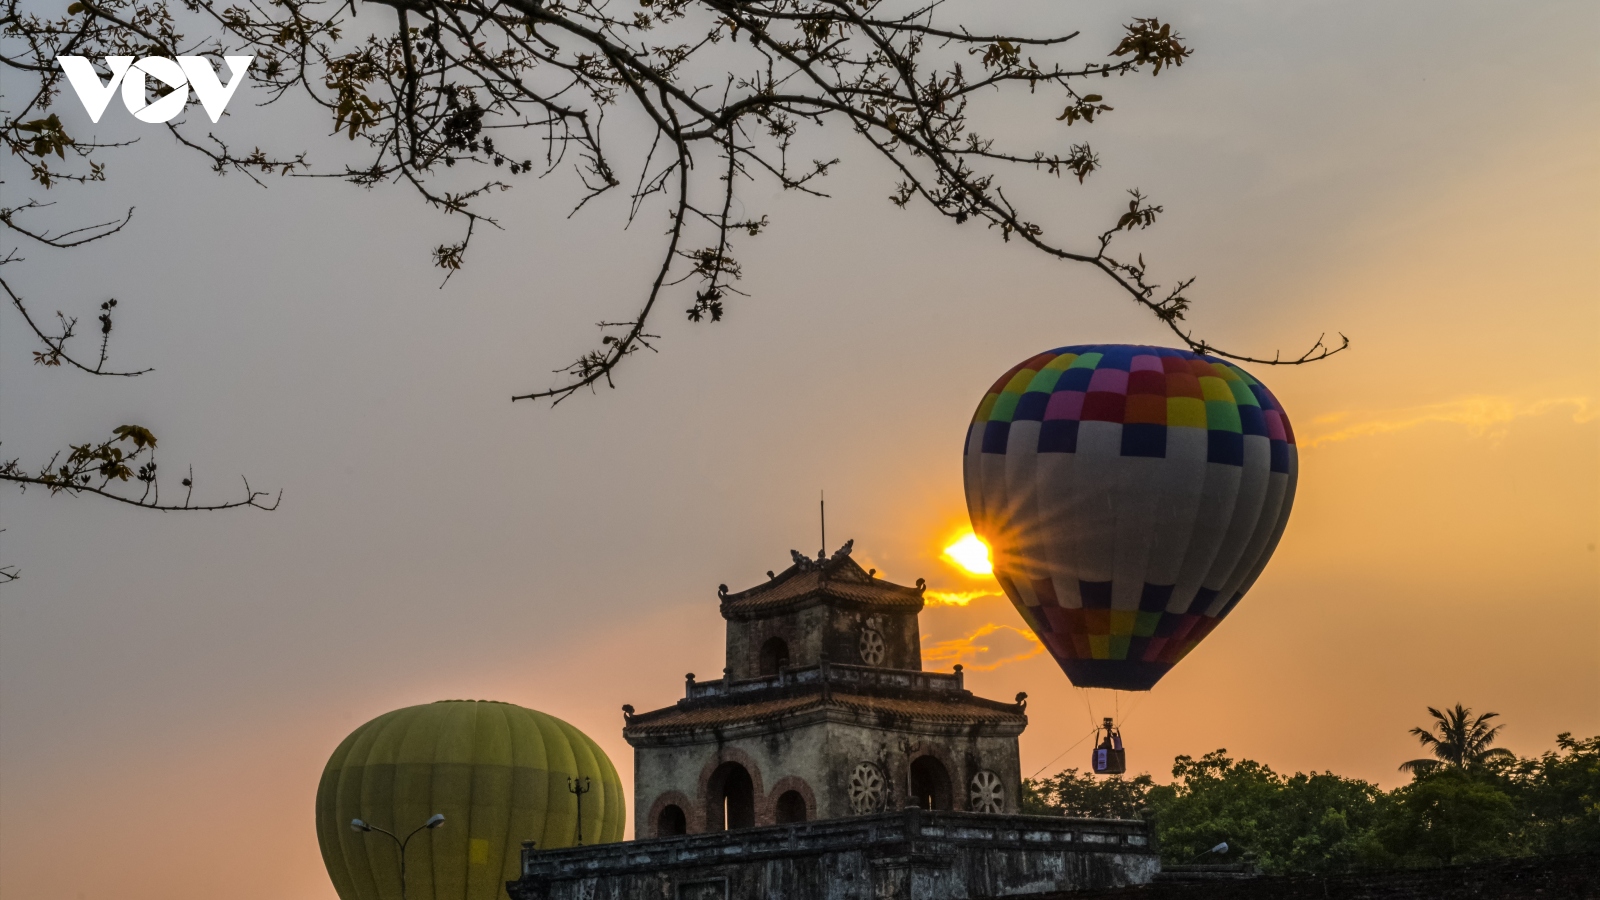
x,y
1220,848
434,821
579,787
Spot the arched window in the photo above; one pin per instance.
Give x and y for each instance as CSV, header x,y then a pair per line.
x,y
730,799
774,655
790,808
930,783
671,821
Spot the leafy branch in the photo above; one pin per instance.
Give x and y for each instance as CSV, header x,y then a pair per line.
x,y
461,99
104,468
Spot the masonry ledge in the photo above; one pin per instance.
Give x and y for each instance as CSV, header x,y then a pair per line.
x,y
906,833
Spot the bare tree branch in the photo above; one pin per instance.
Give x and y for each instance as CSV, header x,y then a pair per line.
x,y
447,90
456,99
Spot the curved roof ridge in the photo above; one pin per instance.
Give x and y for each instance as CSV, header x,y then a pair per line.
x,y
964,709
838,577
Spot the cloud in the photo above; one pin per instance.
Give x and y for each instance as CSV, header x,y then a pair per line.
x,y
1483,415
956,598
976,655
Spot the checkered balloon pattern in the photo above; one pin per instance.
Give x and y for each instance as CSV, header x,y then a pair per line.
x,y
1130,496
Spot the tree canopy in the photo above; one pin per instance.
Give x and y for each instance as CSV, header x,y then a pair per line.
x,y
1458,740
1322,823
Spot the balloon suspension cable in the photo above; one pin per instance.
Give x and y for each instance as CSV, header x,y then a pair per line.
x,y
1138,702
1116,701
1047,765
1088,706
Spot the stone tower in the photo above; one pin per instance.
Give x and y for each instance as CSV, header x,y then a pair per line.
x,y
823,712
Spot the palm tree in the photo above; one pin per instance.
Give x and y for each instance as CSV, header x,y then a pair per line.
x,y
1458,740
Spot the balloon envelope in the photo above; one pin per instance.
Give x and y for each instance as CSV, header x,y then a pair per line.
x,y
1130,496
497,772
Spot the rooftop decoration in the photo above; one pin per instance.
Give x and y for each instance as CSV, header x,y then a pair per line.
x,y
808,581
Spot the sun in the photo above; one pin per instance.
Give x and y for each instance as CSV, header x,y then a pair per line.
x,y
971,554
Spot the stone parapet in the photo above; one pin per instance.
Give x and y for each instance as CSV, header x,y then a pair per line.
x,y
908,855
848,676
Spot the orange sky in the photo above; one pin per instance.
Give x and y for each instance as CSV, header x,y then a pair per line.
x,y
1424,179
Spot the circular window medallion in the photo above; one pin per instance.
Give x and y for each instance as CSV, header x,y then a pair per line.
x,y
987,793
867,788
872,649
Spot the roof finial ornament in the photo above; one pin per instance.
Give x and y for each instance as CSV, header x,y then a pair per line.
x,y
921,583
722,590
845,550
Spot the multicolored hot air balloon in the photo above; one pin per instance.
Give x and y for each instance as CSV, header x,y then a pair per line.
x,y
498,773
1130,496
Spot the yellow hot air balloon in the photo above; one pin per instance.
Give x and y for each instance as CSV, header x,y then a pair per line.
x,y
498,773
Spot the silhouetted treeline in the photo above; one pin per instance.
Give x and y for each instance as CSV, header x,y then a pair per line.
x,y
1479,806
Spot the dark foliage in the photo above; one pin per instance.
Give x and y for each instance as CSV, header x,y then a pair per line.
x,y
1451,816
1069,793
1323,823
1567,877
1302,823
1557,795
1458,740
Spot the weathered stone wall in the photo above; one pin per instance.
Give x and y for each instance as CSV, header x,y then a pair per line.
x,y
823,630
1575,877
685,771
795,755
910,855
962,755
802,630
902,640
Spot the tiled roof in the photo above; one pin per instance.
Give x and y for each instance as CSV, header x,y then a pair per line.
x,y
809,581
678,718
965,710
969,709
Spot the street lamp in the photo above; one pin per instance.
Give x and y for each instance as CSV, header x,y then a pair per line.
x,y
434,821
1220,848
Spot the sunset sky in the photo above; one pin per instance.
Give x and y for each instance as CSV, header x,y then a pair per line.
x,y
1423,177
